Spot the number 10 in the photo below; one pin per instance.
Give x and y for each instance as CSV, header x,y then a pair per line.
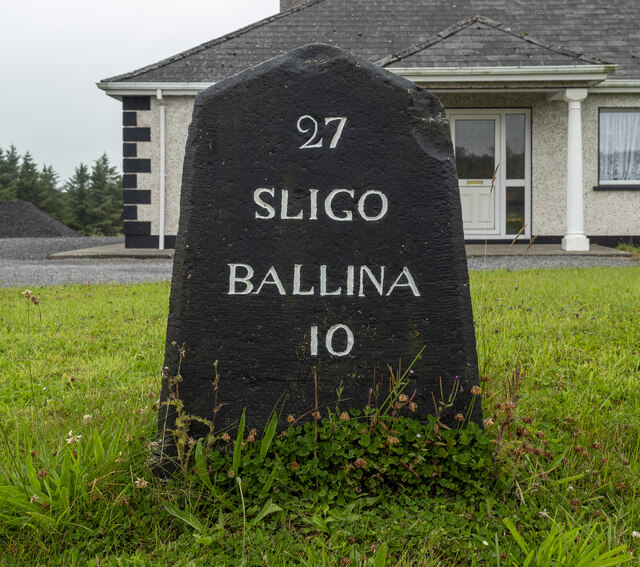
x,y
329,340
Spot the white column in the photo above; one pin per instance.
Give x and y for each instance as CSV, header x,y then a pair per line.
x,y
575,239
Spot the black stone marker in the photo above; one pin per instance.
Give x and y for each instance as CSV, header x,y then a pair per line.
x,y
320,233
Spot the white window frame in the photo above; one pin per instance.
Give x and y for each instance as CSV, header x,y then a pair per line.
x,y
613,182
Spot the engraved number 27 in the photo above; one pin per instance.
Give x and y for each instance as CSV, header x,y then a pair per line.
x,y
315,141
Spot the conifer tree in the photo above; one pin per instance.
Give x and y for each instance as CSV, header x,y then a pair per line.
x,y
27,186
77,191
105,200
9,170
52,200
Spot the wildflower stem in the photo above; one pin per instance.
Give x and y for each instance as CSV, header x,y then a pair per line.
x,y
244,522
30,350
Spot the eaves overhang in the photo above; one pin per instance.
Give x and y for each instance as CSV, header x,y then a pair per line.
x,y
617,86
126,88
474,77
552,75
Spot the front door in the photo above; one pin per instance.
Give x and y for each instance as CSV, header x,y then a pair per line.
x,y
492,158
476,141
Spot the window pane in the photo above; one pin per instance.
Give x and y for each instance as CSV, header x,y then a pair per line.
x,y
475,148
620,145
515,146
515,209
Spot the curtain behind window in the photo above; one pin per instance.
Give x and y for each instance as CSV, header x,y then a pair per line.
x,y
620,146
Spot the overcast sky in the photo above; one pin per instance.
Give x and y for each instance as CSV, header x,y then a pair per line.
x,y
52,53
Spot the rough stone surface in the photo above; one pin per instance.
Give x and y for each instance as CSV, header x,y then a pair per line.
x,y
389,182
20,219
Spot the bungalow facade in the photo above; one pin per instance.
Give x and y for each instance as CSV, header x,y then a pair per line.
x,y
543,100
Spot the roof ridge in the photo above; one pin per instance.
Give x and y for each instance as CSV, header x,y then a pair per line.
x,y
211,43
467,22
541,42
422,45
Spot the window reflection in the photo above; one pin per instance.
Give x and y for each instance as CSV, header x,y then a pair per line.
x,y
515,146
475,148
515,209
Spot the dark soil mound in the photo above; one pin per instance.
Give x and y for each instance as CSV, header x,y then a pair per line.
x,y
19,219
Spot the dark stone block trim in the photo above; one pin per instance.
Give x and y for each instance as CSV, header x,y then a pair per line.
x,y
129,150
610,241
149,241
130,212
545,240
613,241
136,134
132,165
136,103
129,119
136,197
137,234
129,181
136,228
499,241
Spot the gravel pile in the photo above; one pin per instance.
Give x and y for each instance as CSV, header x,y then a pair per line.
x,y
19,219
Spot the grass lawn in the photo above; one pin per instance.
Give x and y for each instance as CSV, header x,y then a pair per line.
x,y
556,479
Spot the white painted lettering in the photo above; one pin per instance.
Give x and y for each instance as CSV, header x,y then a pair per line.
x,y
329,341
350,279
313,194
297,268
314,340
271,212
323,283
308,143
336,137
310,205
271,278
370,280
379,284
410,282
348,215
234,278
384,205
284,207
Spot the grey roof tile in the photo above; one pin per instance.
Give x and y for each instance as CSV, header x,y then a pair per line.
x,y
479,41
379,29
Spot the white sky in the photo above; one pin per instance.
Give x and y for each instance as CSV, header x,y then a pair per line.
x,y
52,52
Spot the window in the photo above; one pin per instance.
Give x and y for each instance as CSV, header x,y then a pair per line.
x,y
619,147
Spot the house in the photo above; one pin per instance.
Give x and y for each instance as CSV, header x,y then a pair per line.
x,y
544,93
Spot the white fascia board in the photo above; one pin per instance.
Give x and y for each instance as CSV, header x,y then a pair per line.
x,y
617,86
593,74
150,89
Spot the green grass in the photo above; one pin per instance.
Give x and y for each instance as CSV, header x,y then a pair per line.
x,y
559,354
628,247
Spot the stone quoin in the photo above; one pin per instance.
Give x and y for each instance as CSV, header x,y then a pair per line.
x,y
320,241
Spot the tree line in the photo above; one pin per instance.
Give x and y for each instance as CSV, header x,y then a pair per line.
x,y
90,202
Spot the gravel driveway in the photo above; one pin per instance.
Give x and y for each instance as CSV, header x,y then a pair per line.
x,y
24,262
532,262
